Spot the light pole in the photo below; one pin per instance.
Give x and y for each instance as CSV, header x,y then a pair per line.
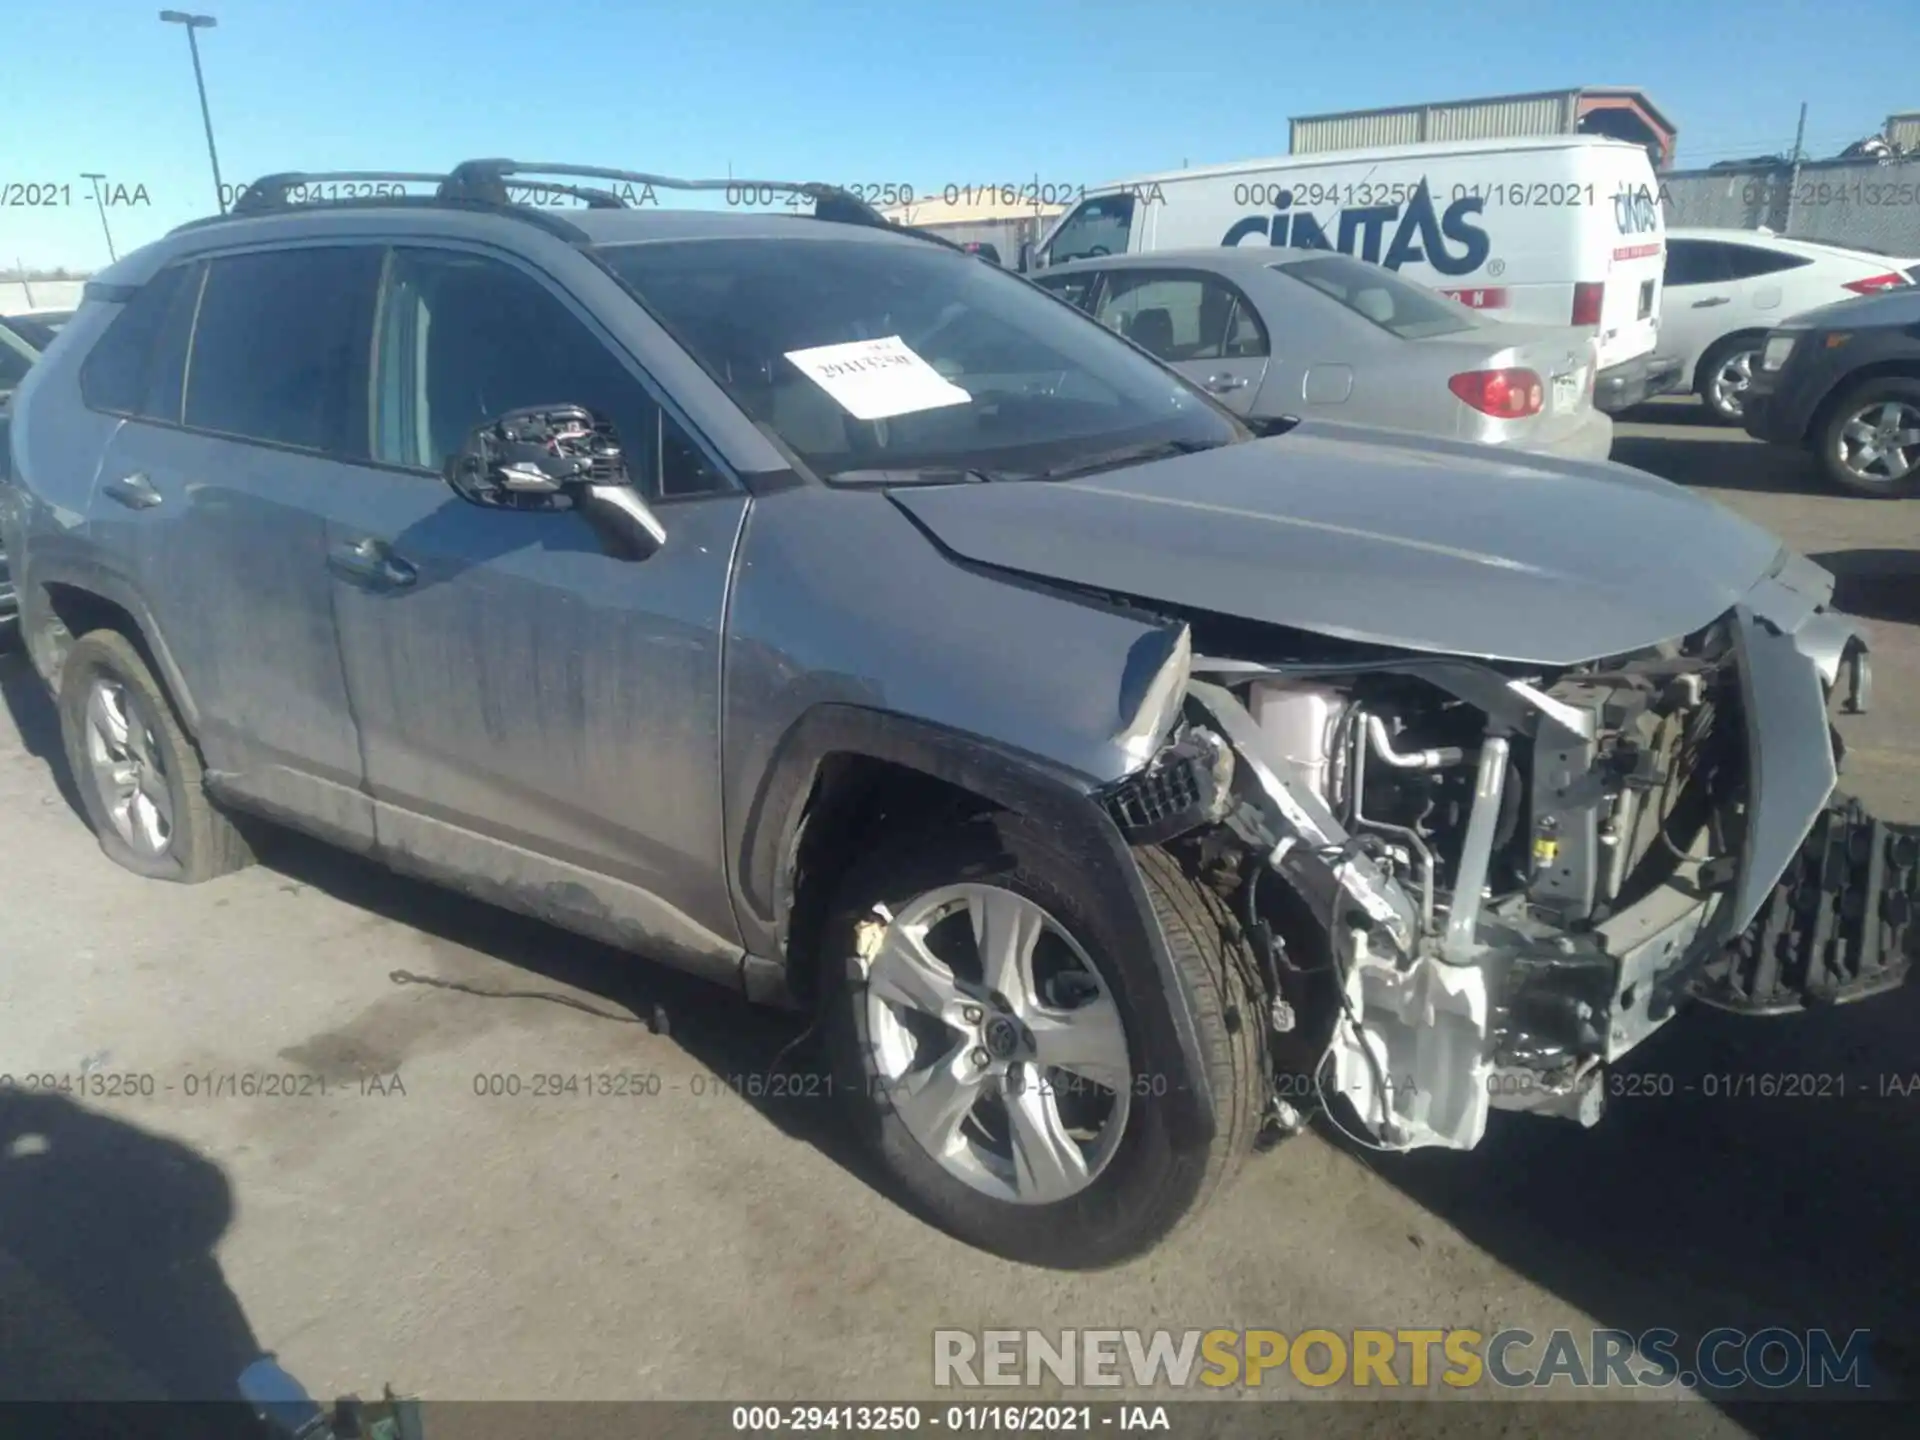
x,y
96,177
193,23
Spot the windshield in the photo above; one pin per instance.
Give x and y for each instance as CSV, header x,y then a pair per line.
x,y
957,365
1397,306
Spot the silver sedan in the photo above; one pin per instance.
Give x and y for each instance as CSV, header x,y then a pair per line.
x,y
1315,333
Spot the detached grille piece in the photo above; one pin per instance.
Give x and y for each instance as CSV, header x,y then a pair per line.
x,y
1169,797
1839,925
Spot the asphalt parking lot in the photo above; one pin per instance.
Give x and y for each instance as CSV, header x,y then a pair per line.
x,y
700,1241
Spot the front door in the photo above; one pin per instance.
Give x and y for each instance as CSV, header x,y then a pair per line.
x,y
1198,323
540,720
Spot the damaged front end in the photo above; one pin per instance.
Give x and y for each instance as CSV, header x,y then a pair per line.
x,y
1519,874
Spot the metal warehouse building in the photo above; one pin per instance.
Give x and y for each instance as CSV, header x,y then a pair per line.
x,y
1624,113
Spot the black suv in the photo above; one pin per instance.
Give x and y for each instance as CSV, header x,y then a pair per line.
x,y
1844,381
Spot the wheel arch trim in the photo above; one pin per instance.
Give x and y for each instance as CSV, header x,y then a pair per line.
x,y
1012,780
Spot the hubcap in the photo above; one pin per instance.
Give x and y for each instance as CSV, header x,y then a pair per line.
x,y
997,1042
1732,381
124,764
1880,443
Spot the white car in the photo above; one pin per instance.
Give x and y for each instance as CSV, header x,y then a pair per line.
x,y
1725,289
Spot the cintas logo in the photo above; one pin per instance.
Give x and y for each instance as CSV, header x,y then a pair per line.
x,y
1419,233
1636,212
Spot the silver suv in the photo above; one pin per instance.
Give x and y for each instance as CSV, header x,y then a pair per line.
x,y
794,599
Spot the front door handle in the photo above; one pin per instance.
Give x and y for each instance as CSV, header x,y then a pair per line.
x,y
134,491
1222,384
368,561
1709,304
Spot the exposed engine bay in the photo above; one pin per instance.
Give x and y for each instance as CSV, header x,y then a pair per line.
x,y
1517,877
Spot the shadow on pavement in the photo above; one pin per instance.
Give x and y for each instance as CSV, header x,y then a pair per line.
x,y
1748,1173
1717,457
753,1047
109,1288
25,695
1876,584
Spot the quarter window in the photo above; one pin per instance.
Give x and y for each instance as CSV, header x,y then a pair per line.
x,y
465,338
280,348
138,365
1747,261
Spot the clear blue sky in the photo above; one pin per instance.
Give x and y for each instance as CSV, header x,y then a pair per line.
x,y
980,91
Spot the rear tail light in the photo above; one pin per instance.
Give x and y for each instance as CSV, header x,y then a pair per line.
x,y
1888,281
1511,394
1588,298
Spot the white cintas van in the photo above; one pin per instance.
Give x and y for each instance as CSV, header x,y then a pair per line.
x,y
1562,230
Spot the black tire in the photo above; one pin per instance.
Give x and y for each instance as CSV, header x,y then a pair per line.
x,y
1158,1176
1849,404
203,843
1710,364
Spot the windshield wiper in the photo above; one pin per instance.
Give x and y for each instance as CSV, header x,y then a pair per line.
x,y
913,475
1127,455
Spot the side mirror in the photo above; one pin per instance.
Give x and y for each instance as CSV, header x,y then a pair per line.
x,y
557,457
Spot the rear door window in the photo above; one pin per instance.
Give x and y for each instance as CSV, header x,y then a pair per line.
x,y
1397,306
280,348
137,367
1697,262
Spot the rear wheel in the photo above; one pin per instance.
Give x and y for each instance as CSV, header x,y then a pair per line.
x,y
138,774
1871,442
989,1039
1726,375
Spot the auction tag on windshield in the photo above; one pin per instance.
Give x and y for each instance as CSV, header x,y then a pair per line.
x,y
875,379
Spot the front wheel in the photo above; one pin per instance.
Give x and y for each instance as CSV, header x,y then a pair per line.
x,y
989,1038
1870,444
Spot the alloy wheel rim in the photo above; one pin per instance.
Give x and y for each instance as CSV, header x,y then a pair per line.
x,y
1732,381
997,1042
128,774
1880,443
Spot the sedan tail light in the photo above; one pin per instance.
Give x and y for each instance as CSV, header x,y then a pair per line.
x,y
1589,298
1511,394
1868,286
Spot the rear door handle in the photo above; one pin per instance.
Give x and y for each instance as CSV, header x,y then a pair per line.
x,y
1709,304
134,491
368,561
1221,384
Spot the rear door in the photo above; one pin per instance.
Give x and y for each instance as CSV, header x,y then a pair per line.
x,y
213,495
1702,302
1624,253
1197,322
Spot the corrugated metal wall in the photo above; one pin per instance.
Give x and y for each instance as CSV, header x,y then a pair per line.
x,y
1354,132
1466,120
1857,203
1498,119
1904,130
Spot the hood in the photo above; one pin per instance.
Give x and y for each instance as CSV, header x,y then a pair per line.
x,y
1426,545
